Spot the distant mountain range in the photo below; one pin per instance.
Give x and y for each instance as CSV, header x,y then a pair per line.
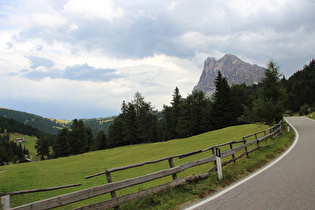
x,y
234,69
52,126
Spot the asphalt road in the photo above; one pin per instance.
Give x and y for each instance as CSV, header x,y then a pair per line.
x,y
286,183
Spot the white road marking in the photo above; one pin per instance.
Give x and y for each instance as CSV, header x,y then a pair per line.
x,y
250,176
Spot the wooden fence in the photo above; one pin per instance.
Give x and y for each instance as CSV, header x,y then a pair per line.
x,y
253,139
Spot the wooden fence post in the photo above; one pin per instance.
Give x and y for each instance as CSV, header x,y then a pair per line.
x,y
245,147
171,163
109,180
5,202
214,162
233,156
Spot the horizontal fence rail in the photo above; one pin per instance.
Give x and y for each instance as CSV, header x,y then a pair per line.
x,y
111,187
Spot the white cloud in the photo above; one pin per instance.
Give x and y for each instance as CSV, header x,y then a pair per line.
x,y
103,9
146,46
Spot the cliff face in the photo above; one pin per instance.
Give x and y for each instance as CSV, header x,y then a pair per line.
x,y
234,69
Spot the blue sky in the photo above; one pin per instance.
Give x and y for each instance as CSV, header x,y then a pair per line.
x,y
81,59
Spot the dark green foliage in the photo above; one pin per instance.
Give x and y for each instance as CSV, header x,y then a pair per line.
x,y
100,141
89,137
12,126
223,106
60,146
115,132
138,123
243,97
5,149
97,124
172,114
300,88
52,126
269,106
77,138
192,116
42,146
129,116
44,124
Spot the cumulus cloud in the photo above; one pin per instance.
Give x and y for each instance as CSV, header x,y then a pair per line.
x,y
40,62
147,46
79,72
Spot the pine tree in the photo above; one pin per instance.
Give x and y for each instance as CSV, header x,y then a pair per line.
x,y
100,141
60,146
42,146
130,125
5,149
172,114
269,106
89,137
77,139
116,132
223,105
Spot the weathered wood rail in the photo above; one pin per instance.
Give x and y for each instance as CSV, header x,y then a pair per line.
x,y
112,187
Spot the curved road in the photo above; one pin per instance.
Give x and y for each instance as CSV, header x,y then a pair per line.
x,y
286,183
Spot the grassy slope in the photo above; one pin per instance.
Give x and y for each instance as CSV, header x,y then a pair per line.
x,y
70,170
29,143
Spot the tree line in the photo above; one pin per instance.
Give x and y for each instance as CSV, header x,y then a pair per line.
x,y
78,139
139,122
300,88
195,114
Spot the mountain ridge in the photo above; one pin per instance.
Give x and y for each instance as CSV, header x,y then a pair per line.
x,y
50,125
233,68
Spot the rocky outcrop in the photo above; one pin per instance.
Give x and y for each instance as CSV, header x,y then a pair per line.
x,y
234,69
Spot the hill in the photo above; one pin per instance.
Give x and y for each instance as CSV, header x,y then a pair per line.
x,y
52,126
234,69
73,169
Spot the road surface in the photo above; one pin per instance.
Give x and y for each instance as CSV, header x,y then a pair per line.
x,y
286,183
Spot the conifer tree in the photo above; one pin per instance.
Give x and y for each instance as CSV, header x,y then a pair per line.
x,y
130,126
89,137
223,105
5,149
269,106
60,146
100,141
42,146
77,139
172,114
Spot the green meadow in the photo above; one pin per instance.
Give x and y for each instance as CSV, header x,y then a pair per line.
x,y
29,143
73,169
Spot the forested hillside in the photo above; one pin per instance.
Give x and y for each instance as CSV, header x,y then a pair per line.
x,y
44,124
12,126
11,151
300,89
53,126
97,124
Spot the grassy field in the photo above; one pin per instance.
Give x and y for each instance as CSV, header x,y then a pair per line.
x,y
73,169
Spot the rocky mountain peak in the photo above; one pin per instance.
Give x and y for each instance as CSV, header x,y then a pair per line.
x,y
234,69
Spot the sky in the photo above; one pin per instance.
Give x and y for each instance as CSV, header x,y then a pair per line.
x,y
68,59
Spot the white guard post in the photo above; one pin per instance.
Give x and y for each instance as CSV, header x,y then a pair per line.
x,y
5,202
219,165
